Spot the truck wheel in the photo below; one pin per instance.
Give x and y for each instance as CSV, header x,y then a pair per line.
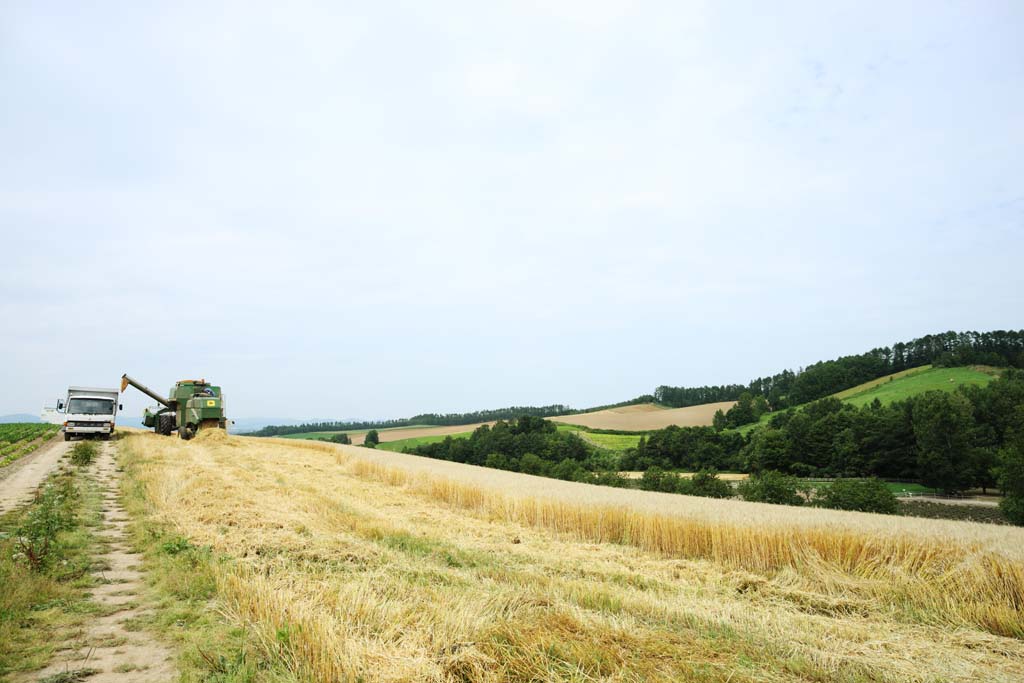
x,y
67,437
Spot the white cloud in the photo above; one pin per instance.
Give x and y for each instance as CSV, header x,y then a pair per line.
x,y
398,198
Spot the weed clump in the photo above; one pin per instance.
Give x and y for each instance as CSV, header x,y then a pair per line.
x,y
83,453
52,512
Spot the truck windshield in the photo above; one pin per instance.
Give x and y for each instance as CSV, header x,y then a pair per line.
x,y
90,406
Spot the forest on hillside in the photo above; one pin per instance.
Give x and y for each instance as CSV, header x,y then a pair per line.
x,y
789,388
972,437
782,390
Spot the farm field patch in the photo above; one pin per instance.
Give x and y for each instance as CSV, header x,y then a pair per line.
x,y
724,476
344,562
902,385
392,434
931,379
611,442
401,444
645,417
18,439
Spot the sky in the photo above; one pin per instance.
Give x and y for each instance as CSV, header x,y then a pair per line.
x,y
373,210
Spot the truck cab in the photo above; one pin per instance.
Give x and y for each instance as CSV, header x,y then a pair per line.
x,y
89,412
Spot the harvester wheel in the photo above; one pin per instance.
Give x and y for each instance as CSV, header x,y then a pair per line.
x,y
165,424
184,433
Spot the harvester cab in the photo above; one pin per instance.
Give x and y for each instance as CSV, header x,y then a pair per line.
x,y
192,404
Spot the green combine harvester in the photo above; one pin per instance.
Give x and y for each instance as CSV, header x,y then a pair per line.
x,y
193,404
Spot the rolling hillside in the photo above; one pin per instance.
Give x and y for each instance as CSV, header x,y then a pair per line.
x,y
902,385
645,417
912,382
393,434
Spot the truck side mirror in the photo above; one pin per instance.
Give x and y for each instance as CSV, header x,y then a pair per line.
x,y
120,406
60,405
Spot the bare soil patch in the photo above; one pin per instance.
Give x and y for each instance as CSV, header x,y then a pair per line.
x,y
415,433
20,479
646,416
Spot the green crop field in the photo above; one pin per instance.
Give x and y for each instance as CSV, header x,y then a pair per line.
x,y
903,385
326,436
402,444
861,388
612,442
21,438
942,379
896,487
314,436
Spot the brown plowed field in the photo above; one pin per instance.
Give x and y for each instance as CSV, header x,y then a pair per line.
x,y
416,432
636,418
645,416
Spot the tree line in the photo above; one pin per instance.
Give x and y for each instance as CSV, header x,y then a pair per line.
x,y
430,419
782,390
788,388
531,445
441,419
953,441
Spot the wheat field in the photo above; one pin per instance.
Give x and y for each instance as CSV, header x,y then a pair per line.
x,y
390,567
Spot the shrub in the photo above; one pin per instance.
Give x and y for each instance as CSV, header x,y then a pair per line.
x,y
707,484
610,478
773,487
657,479
372,439
865,495
500,461
532,464
342,438
568,469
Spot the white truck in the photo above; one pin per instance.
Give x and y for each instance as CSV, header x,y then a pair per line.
x,y
89,412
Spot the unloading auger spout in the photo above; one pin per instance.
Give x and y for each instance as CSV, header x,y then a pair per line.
x,y
192,404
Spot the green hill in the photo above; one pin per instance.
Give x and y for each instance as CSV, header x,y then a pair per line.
x,y
910,383
902,385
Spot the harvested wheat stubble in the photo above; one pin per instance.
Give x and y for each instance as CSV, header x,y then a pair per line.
x,y
646,416
400,568
1001,540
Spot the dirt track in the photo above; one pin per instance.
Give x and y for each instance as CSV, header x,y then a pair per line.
x,y
20,479
111,648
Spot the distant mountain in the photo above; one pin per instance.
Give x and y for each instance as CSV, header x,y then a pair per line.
x,y
19,417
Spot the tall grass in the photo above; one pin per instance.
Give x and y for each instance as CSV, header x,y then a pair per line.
x,y
45,556
955,583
